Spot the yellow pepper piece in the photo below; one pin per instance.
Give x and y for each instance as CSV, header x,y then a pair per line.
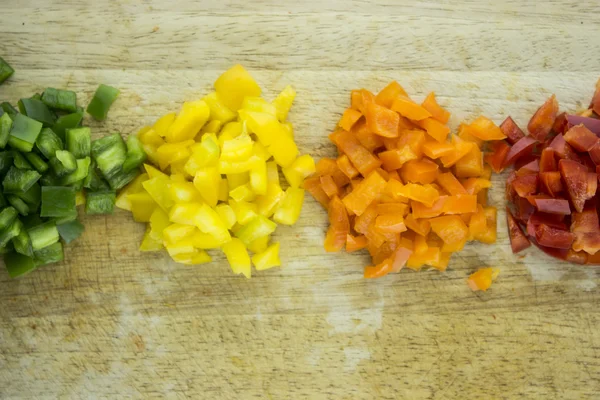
x,y
189,121
284,151
142,206
208,181
184,213
204,154
162,125
268,203
184,192
80,199
289,208
288,129
206,241
283,102
231,131
258,178
238,257
242,193
237,149
266,126
170,153
183,246
235,180
258,104
228,167
213,126
301,168
158,189
150,137
149,243
227,215
256,228
218,110
223,190
175,233
259,245
159,221
134,187
261,151
235,84
243,210
150,151
153,172
194,258
208,221
268,258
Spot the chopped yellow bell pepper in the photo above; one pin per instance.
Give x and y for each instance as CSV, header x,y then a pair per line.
x,y
150,151
206,241
242,193
284,150
258,178
289,208
259,245
170,153
235,84
288,129
266,126
184,192
150,137
205,154
184,213
256,228
218,110
283,102
237,149
194,258
223,190
134,187
158,189
153,172
162,125
142,206
229,167
301,168
189,121
183,246
238,257
258,104
261,151
207,182
159,221
235,180
175,233
149,243
243,210
208,221
267,259
213,126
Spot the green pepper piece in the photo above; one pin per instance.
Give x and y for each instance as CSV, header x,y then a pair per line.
x,y
103,98
67,218
18,264
19,180
43,235
6,161
5,70
31,220
7,217
18,203
78,185
80,173
65,122
79,141
20,161
22,242
64,100
3,201
8,108
12,231
93,181
24,132
122,178
5,126
135,154
57,201
110,153
36,109
32,197
63,163
49,179
38,163
49,254
70,231
48,143
100,202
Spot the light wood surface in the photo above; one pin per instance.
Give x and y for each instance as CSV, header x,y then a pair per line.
x,y
111,322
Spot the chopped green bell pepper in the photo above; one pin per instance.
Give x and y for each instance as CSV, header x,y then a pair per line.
x,y
36,109
63,163
8,108
12,231
20,161
37,162
135,154
69,121
24,132
5,70
7,217
122,178
18,264
48,142
70,231
57,201
22,242
19,180
64,100
18,203
49,254
100,202
103,98
6,161
79,141
5,126
110,153
32,196
43,235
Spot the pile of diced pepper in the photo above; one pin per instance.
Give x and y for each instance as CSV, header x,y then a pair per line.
x,y
49,165
400,188
215,178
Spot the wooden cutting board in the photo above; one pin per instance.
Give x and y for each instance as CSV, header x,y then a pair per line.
x,y
111,322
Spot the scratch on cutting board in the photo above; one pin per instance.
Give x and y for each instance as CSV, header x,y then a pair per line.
x,y
354,355
588,284
545,272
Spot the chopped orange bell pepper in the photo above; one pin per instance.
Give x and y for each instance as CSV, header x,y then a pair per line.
x,y
450,184
390,223
392,208
409,109
360,99
329,186
460,204
482,278
450,228
471,165
477,223
425,194
435,129
349,118
475,185
366,138
430,257
344,164
328,166
394,159
489,236
313,186
364,193
382,121
464,132
355,243
461,149
390,93
420,210
419,171
339,226
361,158
485,129
497,154
418,226
437,112
434,149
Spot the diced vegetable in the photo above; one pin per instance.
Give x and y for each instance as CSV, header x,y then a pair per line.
x,y
79,141
24,132
5,127
37,110
63,163
482,278
70,231
5,70
103,98
110,153
43,235
18,264
19,180
64,100
100,202
68,121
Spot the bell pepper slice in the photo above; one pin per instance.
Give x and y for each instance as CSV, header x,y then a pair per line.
x,y
103,98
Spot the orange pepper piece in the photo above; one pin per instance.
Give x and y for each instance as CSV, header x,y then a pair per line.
x,y
384,174
420,210
475,185
450,184
339,226
393,189
430,257
453,247
418,226
329,186
409,109
360,157
394,263
393,174
489,236
435,129
461,148
360,99
414,138
443,262
396,158
471,165
382,121
349,118
434,149
464,132
390,223
364,193
313,186
482,278
363,221
460,204
366,138
419,171
437,112
450,228
390,93
344,164
477,223
485,129
328,166
497,154
420,244
355,243
425,194
392,208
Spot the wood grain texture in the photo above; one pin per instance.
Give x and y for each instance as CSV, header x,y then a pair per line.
x,y
111,322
